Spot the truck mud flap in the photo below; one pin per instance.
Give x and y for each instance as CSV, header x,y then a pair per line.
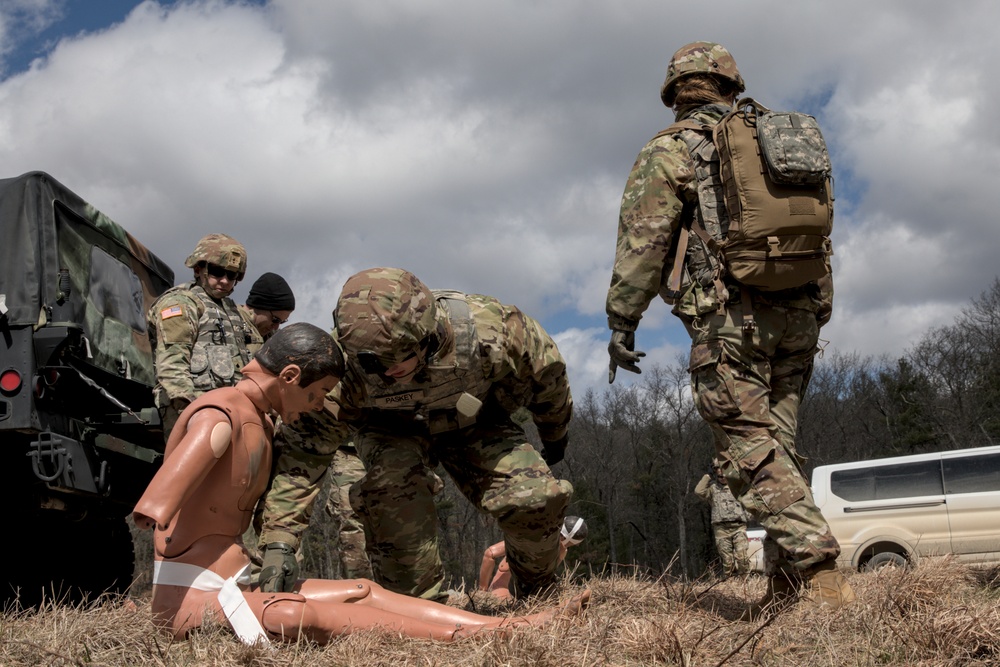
x,y
61,461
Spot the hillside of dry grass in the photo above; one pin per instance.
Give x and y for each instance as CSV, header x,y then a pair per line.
x,y
940,613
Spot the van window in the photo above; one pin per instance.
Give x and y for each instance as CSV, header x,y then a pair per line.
x,y
972,474
902,480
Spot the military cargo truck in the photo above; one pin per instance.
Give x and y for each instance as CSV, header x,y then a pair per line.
x,y
79,435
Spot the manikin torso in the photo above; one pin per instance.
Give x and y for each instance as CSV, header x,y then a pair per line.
x,y
198,533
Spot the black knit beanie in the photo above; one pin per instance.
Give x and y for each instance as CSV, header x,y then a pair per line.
x,y
271,292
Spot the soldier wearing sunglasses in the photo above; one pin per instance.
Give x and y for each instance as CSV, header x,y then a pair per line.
x,y
198,334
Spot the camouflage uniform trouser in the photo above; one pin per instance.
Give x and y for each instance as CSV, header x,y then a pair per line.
x,y
748,389
168,418
494,466
731,543
345,470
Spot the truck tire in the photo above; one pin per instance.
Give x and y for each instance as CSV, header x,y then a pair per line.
x,y
70,562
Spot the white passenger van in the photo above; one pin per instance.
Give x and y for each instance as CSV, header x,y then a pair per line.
x,y
896,510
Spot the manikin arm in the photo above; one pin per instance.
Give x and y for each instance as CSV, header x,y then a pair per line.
x,y
207,438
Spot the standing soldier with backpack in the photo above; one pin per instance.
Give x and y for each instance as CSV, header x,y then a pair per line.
x,y
720,255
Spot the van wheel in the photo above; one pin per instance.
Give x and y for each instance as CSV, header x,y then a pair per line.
x,y
885,559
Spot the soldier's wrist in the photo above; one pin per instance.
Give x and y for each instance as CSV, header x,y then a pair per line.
x,y
272,536
618,323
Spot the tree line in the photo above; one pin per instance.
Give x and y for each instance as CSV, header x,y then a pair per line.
x,y
637,452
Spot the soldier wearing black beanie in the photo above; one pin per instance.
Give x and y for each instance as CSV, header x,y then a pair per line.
x,y
269,305
271,292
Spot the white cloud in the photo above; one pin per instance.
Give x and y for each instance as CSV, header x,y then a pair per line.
x,y
485,146
20,20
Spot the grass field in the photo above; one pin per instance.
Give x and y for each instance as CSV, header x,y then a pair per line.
x,y
939,613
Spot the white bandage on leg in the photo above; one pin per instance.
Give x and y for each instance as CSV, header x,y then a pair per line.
x,y
234,604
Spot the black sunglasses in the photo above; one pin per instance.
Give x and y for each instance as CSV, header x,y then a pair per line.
x,y
277,321
373,365
217,272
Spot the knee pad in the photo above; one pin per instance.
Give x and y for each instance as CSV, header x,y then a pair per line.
x,y
540,494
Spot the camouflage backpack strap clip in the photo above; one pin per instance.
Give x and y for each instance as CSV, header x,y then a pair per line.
x,y
750,107
713,246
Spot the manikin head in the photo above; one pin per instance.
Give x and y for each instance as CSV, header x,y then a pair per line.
x,y
573,531
306,362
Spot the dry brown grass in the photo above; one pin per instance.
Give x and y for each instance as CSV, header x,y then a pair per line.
x,y
940,613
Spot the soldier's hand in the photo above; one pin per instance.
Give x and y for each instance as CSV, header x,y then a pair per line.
x,y
623,353
554,452
279,570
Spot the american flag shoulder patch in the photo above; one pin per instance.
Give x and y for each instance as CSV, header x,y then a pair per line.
x,y
172,311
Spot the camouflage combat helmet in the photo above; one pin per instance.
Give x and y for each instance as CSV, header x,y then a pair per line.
x,y
221,250
700,58
385,313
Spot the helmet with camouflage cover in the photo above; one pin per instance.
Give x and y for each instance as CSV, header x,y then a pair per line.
x,y
387,313
221,250
700,58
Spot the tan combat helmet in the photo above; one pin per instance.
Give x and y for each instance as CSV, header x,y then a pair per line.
x,y
700,58
221,250
383,316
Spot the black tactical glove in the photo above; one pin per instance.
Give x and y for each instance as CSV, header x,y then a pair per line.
x,y
623,354
279,570
553,452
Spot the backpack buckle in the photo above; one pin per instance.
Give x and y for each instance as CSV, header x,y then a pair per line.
x,y
772,247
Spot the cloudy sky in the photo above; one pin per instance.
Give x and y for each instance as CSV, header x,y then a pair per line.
x,y
485,145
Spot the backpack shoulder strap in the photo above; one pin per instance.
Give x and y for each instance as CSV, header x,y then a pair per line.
x,y
686,124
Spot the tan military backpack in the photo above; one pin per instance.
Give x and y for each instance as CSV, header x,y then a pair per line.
x,y
776,179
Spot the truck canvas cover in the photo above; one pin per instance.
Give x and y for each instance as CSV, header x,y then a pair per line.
x,y
63,261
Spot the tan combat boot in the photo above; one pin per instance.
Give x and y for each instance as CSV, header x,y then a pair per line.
x,y
780,592
824,587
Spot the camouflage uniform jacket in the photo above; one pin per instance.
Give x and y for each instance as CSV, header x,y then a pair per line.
x,y
725,507
674,179
508,363
200,343
256,340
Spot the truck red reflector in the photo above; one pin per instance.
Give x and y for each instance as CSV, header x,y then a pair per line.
x,y
10,381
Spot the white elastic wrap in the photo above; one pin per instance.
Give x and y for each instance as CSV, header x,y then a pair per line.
x,y
568,536
234,604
